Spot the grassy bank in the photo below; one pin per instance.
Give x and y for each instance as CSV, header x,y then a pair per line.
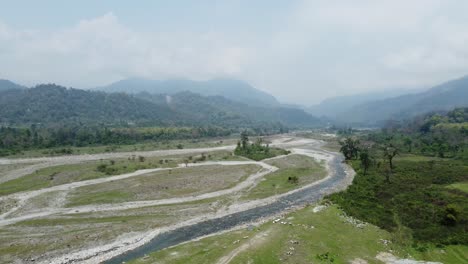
x,y
294,172
63,174
327,236
423,203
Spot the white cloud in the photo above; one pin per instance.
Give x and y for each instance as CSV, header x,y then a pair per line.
x,y
318,49
102,50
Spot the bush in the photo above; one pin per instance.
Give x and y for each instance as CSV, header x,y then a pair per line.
x,y
431,211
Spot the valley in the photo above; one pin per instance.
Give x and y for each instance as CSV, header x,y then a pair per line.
x,y
123,211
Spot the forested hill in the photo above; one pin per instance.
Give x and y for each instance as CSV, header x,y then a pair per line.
x,y
219,110
9,85
235,90
52,104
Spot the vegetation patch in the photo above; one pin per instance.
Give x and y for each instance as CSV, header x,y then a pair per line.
x,y
258,150
294,172
300,237
63,174
462,186
415,198
305,236
163,184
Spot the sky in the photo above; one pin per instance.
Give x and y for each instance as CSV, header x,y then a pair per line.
x,y
300,51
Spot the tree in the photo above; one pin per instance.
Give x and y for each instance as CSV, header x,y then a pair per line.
x,y
389,153
366,161
408,143
244,139
350,148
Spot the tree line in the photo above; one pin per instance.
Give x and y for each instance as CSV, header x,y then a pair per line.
x,y
16,139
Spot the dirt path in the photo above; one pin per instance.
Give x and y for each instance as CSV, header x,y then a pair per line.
x,y
45,162
252,242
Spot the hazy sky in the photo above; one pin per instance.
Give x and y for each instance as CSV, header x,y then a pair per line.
x,y
300,51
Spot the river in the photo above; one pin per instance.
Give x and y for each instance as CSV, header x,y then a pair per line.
x,y
174,237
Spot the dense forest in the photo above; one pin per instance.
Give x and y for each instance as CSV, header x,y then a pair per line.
x,y
51,104
411,178
434,134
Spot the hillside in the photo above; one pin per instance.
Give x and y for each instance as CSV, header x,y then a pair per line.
x,y
55,104
217,109
235,90
443,97
52,104
9,85
331,107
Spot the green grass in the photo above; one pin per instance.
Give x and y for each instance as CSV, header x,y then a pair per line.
x,y
269,243
306,169
449,254
151,145
63,174
162,184
257,153
462,186
414,157
416,200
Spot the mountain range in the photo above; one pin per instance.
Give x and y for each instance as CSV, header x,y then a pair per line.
x,y
334,106
223,102
53,104
235,90
370,110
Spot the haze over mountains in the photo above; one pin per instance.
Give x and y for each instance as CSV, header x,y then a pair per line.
x,y
223,102
52,104
232,89
442,97
360,111
334,106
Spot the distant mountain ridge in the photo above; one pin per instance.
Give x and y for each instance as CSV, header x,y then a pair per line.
x,y
442,97
53,104
332,107
232,89
198,107
9,85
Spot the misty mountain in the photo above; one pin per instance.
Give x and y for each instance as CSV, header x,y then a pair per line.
x,y
442,97
235,90
52,104
334,106
9,85
218,109
49,104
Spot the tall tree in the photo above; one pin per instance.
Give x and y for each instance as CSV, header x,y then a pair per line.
x,y
350,148
366,161
389,152
244,139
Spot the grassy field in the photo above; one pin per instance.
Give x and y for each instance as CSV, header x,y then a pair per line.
x,y
163,184
414,202
327,236
5,168
462,186
63,174
168,144
306,169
